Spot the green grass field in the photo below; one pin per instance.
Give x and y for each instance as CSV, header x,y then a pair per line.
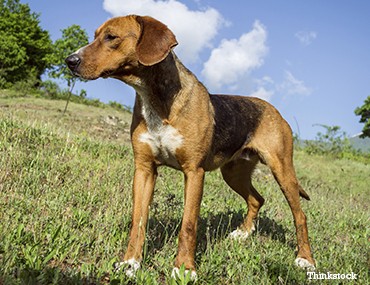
x,y
65,208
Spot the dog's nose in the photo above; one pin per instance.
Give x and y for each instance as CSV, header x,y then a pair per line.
x,y
73,61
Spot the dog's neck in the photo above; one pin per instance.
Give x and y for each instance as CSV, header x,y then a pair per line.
x,y
160,86
157,87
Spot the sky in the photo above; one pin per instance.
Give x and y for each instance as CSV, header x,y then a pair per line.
x,y
310,59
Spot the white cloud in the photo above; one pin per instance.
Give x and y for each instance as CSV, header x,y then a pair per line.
x,y
266,80
194,30
306,38
236,58
262,93
293,86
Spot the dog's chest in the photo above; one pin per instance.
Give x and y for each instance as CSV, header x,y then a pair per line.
x,y
163,139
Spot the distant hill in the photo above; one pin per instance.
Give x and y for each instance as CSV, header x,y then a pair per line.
x,y
361,144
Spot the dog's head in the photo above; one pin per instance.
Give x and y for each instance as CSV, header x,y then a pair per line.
x,y
121,45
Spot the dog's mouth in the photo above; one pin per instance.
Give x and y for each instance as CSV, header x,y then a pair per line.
x,y
107,73
81,73
83,76
76,73
122,70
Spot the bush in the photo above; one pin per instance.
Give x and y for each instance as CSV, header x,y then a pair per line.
x,y
50,89
119,106
4,84
26,86
334,143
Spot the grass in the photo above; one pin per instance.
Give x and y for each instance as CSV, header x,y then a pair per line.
x,y
108,123
65,208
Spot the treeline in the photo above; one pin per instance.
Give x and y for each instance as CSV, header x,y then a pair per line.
x,y
332,142
27,52
51,90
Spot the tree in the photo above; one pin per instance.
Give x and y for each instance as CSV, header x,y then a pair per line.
x,y
364,112
333,141
73,38
24,45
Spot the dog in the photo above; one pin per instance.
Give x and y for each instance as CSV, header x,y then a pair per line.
x,y
177,123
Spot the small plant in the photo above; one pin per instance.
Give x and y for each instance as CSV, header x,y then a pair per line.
x,y
73,38
83,93
51,89
333,142
183,277
26,86
119,106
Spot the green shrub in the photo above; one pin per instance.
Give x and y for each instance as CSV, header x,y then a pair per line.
x,y
26,86
334,143
119,106
50,89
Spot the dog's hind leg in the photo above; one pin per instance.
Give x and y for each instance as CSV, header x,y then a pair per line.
x,y
283,171
237,175
274,144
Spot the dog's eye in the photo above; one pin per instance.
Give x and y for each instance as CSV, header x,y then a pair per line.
x,y
110,37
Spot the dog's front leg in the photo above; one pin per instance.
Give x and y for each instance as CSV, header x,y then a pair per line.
x,y
143,188
188,234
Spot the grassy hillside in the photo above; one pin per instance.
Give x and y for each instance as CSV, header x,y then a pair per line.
x,y
65,208
97,123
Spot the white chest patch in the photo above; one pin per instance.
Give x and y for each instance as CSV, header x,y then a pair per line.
x,y
163,139
163,142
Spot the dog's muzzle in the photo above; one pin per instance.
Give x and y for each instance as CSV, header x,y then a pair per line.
x,y
73,61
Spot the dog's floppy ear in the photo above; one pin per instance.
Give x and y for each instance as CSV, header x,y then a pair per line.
x,y
155,41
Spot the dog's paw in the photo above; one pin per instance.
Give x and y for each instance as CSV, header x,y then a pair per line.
x,y
176,274
305,264
241,235
130,266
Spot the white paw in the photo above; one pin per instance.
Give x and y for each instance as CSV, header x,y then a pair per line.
x,y
305,264
241,235
176,274
130,266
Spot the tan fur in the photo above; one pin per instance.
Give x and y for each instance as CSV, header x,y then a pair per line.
x,y
176,122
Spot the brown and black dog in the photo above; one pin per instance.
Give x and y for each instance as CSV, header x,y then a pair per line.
x,y
177,123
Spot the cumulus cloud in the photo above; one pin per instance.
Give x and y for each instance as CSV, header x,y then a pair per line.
x,y
194,29
306,38
236,58
293,86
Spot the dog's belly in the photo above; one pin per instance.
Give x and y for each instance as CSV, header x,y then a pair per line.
x,y
236,120
164,142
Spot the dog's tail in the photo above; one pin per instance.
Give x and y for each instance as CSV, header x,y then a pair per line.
x,y
303,193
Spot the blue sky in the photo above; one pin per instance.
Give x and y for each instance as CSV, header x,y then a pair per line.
x,y
311,59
